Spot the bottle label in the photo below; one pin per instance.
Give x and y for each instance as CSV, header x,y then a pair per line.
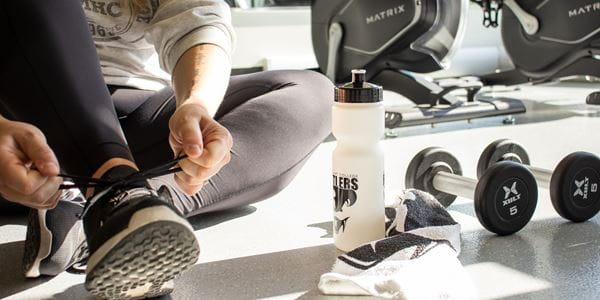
x,y
345,194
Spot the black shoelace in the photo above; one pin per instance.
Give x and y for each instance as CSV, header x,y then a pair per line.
x,y
86,182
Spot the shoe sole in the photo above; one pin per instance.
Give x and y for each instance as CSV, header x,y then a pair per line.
x,y
141,260
38,243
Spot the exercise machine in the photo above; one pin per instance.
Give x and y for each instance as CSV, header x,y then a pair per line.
x,y
546,39
394,41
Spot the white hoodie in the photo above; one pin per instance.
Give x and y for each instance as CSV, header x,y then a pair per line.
x,y
134,47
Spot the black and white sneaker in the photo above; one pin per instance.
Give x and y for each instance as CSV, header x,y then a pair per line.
x,y
55,239
138,243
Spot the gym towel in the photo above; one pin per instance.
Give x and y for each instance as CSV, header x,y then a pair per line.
x,y
416,260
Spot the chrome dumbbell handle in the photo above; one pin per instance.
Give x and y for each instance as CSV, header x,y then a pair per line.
x,y
455,184
542,176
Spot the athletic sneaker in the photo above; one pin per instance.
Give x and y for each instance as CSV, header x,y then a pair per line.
x,y
55,239
138,243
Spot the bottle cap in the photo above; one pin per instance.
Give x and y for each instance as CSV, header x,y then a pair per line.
x,y
358,91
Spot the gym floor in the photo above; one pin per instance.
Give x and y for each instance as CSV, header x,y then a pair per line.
x,y
278,248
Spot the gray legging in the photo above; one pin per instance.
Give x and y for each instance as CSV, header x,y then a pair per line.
x,y
276,119
50,77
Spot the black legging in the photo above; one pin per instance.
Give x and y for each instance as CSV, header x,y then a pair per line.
x,y
50,77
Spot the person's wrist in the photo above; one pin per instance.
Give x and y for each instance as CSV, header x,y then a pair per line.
x,y
206,106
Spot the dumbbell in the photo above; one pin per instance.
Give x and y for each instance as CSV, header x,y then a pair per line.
x,y
593,98
574,184
505,196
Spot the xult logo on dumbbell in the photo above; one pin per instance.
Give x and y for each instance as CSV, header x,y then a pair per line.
x,y
585,187
573,184
505,197
508,191
579,185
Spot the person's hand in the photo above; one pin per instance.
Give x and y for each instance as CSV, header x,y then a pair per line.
x,y
28,166
206,143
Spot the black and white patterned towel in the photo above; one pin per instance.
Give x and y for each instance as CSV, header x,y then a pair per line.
x,y
416,260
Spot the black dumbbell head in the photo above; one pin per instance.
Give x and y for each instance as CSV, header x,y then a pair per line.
x,y
501,150
506,197
574,186
593,98
425,165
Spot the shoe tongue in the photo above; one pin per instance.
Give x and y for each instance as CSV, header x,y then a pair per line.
x,y
121,172
116,194
118,172
108,201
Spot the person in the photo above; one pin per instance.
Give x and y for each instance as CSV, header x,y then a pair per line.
x,y
81,96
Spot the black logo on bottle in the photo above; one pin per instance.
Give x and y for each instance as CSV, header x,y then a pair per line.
x,y
344,195
340,224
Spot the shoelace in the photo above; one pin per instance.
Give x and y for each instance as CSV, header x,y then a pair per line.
x,y
107,185
86,182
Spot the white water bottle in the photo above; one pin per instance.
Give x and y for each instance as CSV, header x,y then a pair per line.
x,y
358,178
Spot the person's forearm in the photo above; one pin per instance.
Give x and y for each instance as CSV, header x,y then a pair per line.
x,y
201,76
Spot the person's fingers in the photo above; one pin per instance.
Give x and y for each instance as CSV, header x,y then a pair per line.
x,y
33,144
44,198
195,170
175,145
191,139
49,191
18,176
185,128
53,200
193,176
30,205
15,197
188,188
189,180
214,153
190,168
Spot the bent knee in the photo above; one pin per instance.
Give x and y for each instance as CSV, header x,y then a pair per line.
x,y
315,91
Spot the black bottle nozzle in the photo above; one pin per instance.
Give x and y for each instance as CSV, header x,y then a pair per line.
x,y
358,77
